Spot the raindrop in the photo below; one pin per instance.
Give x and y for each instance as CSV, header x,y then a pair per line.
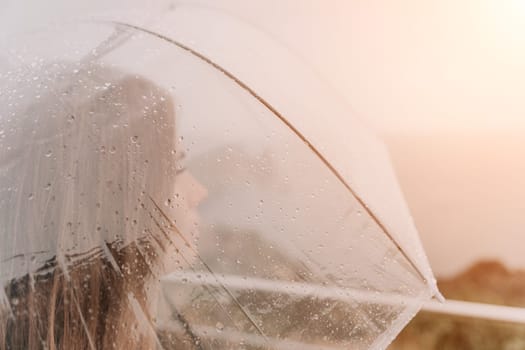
x,y
49,154
134,139
47,187
30,197
219,327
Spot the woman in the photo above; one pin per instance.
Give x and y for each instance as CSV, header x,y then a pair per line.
x,y
92,208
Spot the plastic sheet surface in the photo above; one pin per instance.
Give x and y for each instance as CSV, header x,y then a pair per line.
x,y
150,199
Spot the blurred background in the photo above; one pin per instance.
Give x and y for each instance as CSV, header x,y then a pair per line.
x,y
443,83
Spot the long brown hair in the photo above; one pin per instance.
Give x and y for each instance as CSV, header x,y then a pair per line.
x,y
89,164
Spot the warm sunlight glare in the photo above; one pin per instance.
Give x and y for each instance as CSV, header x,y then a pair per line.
x,y
506,20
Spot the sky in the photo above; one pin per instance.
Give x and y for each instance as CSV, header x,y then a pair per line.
x,y
408,64
442,81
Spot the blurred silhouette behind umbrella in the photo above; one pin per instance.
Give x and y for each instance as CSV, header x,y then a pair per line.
x,y
84,169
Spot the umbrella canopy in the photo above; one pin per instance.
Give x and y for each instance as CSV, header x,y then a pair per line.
x,y
272,215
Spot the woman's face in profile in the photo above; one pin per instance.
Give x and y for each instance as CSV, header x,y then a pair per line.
x,y
98,144
182,208
95,205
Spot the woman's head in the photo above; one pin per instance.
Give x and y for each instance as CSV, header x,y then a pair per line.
x,y
89,162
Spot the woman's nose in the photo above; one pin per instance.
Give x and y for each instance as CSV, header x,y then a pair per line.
x,y
191,189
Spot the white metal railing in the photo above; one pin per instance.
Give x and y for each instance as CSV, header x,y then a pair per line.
x,y
477,310
450,307
235,282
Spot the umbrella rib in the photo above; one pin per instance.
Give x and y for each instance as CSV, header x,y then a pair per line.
x,y
286,122
208,268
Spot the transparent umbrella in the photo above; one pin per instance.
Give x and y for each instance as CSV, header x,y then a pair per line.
x,y
158,191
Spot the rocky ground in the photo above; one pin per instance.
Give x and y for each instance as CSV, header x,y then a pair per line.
x,y
486,282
